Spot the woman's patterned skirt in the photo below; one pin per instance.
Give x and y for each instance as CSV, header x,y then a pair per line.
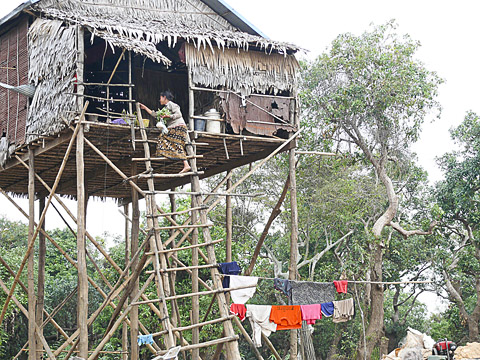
x,y
172,144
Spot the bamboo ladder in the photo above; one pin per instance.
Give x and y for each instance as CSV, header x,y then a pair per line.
x,y
159,256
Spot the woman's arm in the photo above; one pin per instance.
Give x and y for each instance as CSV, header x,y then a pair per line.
x,y
143,107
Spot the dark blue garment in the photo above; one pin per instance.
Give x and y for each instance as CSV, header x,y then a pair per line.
x,y
327,308
230,268
283,285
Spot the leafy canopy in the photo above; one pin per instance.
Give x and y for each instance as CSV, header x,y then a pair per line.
x,y
371,90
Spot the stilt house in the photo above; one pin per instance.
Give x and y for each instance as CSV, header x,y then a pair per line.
x,y
71,75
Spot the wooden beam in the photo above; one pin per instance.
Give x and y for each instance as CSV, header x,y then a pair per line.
x,y
82,294
292,268
31,260
62,138
228,224
134,248
42,217
41,281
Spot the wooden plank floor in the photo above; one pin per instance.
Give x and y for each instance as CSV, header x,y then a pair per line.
x,y
115,142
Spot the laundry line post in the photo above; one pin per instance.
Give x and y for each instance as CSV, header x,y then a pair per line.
x,y
292,268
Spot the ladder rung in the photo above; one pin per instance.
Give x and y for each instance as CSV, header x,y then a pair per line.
x,y
201,293
210,343
166,176
204,207
201,324
183,268
164,158
180,227
146,141
185,247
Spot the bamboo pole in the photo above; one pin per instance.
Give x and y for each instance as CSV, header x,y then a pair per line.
x,y
41,280
110,333
156,242
127,258
292,269
275,212
37,329
107,298
233,352
82,294
42,217
31,264
134,244
229,223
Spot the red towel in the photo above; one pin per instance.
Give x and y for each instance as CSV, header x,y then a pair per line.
x,y
286,317
238,309
341,286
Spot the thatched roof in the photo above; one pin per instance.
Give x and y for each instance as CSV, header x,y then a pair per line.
x,y
243,71
156,21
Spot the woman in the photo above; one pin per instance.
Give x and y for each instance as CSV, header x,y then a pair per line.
x,y
172,144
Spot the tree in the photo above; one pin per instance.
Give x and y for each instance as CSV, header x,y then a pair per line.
x,y
459,199
372,95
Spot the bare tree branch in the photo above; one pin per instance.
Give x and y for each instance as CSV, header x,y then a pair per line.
x,y
407,233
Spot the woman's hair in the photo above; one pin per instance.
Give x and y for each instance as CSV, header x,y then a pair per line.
x,y
168,94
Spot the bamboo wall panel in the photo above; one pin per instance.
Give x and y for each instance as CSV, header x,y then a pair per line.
x,y
14,71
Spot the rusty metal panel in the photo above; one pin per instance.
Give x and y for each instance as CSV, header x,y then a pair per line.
x,y
254,113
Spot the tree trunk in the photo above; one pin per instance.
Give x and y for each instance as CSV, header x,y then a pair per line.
x,y
375,329
332,352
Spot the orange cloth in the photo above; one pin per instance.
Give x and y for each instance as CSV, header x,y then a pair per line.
x,y
286,317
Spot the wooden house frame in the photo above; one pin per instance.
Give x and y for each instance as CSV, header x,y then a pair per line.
x,y
70,69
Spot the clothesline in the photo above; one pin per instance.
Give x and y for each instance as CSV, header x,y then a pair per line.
x,y
350,281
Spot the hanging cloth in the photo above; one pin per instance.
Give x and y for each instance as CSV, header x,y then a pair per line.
x,y
230,268
307,292
283,285
327,308
341,286
259,316
238,309
310,313
145,339
343,311
286,316
241,296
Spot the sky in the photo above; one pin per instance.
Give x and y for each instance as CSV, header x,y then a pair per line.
x,y
448,32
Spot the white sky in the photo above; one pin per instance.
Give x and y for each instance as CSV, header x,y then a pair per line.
x,y
447,30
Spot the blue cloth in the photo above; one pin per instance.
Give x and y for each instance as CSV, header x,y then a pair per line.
x,y
145,339
327,308
283,285
230,268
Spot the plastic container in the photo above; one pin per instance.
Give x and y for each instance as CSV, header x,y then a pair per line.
x,y
199,124
213,125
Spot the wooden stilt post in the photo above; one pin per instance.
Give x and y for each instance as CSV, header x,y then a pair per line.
x,y
127,258
229,223
134,248
292,269
82,305
195,299
31,259
41,280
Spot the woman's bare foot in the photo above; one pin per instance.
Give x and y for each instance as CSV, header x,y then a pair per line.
x,y
185,169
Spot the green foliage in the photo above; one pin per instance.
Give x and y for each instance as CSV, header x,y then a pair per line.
x,y
371,89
